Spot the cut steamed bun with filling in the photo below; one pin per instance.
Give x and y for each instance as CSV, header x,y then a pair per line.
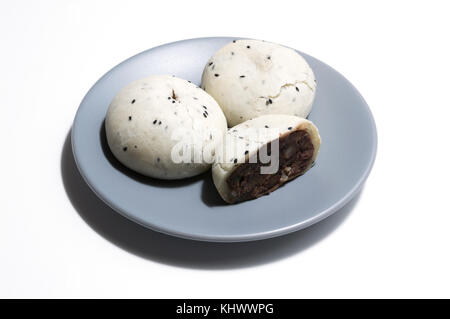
x,y
164,127
250,78
261,154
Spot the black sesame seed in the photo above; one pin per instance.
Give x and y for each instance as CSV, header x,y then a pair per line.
x,y
268,58
135,146
206,112
205,115
241,137
210,63
290,128
296,88
232,53
195,98
234,41
270,101
242,76
266,126
169,97
205,107
216,75
248,47
129,118
189,81
246,152
234,131
125,149
154,122
235,161
132,102
173,101
159,123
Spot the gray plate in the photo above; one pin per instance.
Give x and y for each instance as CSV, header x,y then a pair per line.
x,y
192,208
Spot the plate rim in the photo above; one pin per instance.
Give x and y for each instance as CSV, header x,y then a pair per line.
x,y
230,238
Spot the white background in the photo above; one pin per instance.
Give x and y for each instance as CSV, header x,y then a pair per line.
x,y
58,240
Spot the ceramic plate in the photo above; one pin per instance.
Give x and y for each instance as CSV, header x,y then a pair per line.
x,y
192,208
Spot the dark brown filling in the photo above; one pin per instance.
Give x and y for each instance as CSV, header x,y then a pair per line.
x,y
296,152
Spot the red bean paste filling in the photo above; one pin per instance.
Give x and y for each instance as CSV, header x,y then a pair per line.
x,y
296,152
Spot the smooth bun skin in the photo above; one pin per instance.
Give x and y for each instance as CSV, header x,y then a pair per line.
x,y
144,121
276,126
250,78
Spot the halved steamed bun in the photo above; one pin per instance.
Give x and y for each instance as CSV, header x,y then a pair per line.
x,y
243,171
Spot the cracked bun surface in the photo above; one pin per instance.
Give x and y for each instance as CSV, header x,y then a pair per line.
x,y
238,178
249,78
152,119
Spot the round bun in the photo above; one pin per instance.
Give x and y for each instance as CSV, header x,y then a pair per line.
x,y
243,141
249,78
162,126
